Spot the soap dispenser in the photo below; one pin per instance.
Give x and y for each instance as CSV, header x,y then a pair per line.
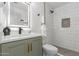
x,y
6,31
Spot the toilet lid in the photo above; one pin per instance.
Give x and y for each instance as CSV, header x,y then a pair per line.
x,y
49,47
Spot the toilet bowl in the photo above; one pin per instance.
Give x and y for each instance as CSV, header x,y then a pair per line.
x,y
49,50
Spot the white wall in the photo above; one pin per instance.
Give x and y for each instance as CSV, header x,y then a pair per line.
x,y
49,20
37,7
66,37
2,21
36,20
0,24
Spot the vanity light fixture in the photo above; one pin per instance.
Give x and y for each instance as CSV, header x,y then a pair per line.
x,y
21,20
51,11
4,2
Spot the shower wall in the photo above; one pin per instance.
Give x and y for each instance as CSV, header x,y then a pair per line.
x,y
66,37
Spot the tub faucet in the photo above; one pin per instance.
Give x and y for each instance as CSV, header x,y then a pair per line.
x,y
20,30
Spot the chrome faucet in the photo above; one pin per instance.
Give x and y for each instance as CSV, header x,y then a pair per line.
x,y
20,30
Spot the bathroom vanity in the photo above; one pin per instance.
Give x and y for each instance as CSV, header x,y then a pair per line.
x,y
21,45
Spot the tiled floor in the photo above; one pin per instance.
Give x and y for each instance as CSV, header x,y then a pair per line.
x,y
67,52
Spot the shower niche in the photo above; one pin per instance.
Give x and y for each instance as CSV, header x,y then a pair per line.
x,y
65,23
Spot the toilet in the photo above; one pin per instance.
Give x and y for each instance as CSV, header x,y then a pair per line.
x,y
49,50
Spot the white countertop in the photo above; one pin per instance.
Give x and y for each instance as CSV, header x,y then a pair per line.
x,y
11,38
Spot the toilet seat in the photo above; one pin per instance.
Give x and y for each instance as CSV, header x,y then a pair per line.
x,y
49,47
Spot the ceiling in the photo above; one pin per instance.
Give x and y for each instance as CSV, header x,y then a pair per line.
x,y
56,4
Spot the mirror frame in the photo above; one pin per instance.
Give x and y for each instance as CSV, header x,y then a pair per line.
x,y
19,25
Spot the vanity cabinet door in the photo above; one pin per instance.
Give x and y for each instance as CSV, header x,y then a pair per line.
x,y
18,48
35,47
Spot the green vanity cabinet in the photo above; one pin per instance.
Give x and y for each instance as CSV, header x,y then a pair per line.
x,y
26,47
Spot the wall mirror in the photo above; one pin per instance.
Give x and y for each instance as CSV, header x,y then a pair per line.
x,y
18,14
